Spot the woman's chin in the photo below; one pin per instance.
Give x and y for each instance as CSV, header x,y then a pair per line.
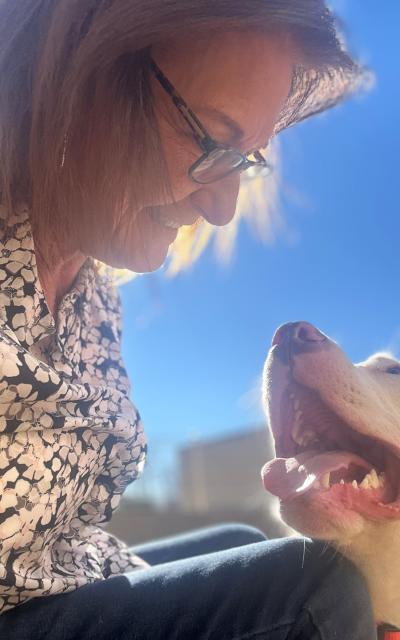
x,y
146,265
141,246
138,264
138,260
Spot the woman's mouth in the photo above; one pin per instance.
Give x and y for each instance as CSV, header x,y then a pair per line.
x,y
163,217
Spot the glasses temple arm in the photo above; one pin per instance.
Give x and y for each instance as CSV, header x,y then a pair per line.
x,y
193,122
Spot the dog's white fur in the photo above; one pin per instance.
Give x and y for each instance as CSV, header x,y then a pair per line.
x,y
367,398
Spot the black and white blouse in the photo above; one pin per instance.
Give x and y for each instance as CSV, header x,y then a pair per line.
x,y
70,438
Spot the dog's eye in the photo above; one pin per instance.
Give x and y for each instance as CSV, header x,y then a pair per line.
x,y
394,370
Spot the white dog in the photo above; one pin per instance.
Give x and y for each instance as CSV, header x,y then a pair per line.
x,y
337,439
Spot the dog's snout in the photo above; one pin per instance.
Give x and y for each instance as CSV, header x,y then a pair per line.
x,y
306,332
301,335
282,334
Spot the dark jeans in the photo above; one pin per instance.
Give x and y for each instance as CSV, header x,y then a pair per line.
x,y
219,583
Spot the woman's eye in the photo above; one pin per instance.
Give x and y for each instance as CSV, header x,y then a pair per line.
x,y
394,370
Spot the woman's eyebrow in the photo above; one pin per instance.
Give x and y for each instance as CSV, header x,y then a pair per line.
x,y
236,131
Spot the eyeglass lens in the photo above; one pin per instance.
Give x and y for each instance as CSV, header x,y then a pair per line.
x,y
219,163
216,165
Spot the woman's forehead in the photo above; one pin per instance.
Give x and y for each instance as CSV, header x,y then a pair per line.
x,y
226,60
238,81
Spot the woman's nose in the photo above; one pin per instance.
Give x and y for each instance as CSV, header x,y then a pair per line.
x,y
217,200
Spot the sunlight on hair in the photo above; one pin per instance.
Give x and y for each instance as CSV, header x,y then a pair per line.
x,y
258,205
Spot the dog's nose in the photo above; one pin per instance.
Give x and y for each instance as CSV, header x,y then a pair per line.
x,y
302,334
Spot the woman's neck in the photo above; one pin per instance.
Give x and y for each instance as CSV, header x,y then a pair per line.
x,y
57,278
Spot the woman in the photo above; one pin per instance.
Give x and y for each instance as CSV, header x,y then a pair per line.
x,y
101,158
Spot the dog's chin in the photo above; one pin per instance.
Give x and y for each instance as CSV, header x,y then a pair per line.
x,y
318,519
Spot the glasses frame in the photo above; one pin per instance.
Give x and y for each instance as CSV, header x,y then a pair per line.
x,y
206,143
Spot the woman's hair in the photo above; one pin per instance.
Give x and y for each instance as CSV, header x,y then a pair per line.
x,y
77,128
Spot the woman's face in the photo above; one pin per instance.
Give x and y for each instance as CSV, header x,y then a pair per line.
x,y
236,84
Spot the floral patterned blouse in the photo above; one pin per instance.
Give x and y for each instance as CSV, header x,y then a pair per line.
x,y
70,438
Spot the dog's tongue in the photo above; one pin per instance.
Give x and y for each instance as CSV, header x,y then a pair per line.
x,y
290,477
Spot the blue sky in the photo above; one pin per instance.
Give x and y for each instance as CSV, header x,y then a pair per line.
x,y
194,346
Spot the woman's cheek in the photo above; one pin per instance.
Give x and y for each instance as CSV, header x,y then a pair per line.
x,y
179,157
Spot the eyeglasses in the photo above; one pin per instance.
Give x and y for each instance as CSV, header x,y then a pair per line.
x,y
218,160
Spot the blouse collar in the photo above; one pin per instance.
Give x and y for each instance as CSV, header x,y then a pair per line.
x,y
22,301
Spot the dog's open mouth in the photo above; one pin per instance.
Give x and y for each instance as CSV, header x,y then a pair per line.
x,y
320,454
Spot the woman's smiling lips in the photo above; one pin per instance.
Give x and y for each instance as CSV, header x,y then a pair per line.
x,y
161,216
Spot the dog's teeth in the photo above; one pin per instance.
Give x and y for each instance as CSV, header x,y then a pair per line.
x,y
297,416
296,432
342,481
374,479
366,483
301,437
325,480
381,478
354,484
307,437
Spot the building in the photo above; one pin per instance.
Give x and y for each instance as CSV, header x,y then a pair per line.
x,y
218,482
224,473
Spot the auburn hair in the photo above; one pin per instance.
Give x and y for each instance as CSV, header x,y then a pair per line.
x,y
77,127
